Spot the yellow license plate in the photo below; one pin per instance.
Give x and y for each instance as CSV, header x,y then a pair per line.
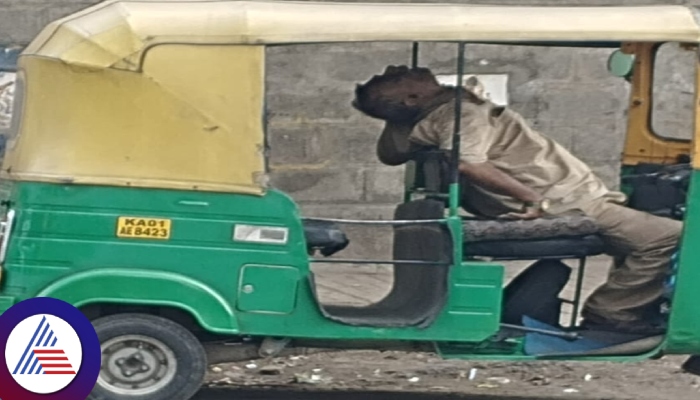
x,y
143,228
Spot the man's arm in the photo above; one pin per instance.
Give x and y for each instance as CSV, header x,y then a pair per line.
x,y
493,179
393,147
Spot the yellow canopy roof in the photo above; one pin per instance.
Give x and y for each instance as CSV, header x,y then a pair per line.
x,y
116,32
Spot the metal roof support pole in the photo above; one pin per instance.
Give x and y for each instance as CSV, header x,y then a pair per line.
x,y
456,136
414,58
410,172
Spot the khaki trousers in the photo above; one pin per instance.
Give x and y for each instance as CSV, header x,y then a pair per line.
x,y
642,245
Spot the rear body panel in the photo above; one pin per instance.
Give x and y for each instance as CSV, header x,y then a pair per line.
x,y
91,244
684,334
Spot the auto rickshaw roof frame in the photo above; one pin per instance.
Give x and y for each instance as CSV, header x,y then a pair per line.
x,y
115,33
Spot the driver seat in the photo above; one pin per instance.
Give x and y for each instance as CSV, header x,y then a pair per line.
x,y
546,240
569,236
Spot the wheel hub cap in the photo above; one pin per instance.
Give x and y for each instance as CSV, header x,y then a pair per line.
x,y
136,365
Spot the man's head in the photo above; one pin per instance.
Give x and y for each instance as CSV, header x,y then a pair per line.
x,y
398,95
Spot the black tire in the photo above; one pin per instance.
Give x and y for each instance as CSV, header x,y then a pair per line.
x,y
188,353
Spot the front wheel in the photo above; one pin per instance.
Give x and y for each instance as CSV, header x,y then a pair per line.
x,y
145,357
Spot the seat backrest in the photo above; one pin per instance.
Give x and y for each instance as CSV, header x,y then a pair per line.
x,y
429,173
420,291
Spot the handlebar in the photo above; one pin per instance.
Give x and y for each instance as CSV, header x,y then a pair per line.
x,y
678,174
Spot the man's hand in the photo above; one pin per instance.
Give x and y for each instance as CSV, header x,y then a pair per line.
x,y
491,178
394,147
530,213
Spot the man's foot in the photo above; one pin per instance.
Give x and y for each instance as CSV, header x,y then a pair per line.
x,y
692,365
632,327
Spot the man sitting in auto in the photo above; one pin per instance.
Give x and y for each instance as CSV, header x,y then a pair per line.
x,y
512,171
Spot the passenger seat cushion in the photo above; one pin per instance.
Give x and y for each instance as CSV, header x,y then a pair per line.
x,y
561,226
585,246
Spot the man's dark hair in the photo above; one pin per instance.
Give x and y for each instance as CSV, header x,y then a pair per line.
x,y
368,102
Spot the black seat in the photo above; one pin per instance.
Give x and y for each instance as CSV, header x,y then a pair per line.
x,y
568,236
562,237
419,292
556,248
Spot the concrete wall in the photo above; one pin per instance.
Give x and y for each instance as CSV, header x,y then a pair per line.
x,y
323,150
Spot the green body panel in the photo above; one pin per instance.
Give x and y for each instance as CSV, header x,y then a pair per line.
x,y
461,320
64,244
122,286
684,334
265,289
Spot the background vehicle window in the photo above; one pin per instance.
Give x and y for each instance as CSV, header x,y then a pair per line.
x,y
673,88
11,101
7,89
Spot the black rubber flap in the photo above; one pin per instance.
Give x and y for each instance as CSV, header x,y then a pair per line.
x,y
420,291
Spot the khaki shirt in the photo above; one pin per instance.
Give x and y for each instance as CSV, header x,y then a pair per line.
x,y
503,138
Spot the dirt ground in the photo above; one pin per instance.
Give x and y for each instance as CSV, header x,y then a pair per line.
x,y
391,372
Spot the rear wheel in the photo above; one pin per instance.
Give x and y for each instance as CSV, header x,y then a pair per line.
x,y
145,357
